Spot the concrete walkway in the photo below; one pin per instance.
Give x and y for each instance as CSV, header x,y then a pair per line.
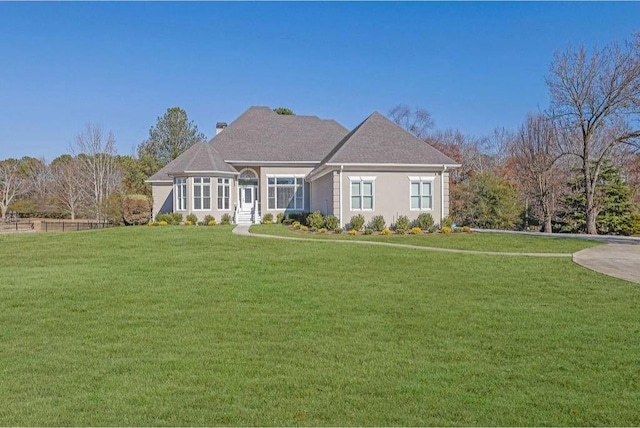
x,y
617,260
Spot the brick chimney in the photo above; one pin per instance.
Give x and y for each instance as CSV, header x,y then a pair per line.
x,y
220,127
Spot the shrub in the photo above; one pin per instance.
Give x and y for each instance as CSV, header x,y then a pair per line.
x,y
331,222
447,222
300,217
208,219
425,221
225,219
357,222
162,223
212,222
304,228
191,219
402,224
338,230
315,219
267,218
322,230
377,223
416,231
432,229
368,231
136,209
280,218
152,223
352,232
446,230
169,218
296,225
385,231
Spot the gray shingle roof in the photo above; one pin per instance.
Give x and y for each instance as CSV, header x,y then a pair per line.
x,y
200,157
377,140
261,135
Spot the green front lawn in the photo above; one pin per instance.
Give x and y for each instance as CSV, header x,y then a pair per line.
x,y
500,242
196,326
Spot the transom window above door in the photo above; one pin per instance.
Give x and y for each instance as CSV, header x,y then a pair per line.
x,y
248,177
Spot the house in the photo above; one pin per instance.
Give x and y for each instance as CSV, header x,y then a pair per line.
x,y
268,163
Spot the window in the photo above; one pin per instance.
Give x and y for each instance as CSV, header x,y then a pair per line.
x,y
421,193
223,193
362,191
201,193
181,194
285,193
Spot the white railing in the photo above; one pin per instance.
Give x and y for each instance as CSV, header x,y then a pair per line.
x,y
255,214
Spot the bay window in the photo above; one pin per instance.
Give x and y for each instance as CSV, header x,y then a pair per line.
x,y
181,193
202,193
223,194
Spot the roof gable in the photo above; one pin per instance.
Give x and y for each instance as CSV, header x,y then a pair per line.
x,y
377,140
261,135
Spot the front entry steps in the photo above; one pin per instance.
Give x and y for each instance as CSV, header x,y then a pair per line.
x,y
245,217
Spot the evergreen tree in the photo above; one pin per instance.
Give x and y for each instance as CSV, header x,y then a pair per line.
x,y
612,201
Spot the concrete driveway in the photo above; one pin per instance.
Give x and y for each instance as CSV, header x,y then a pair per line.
x,y
617,260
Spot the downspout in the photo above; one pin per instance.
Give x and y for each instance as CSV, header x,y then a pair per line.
x,y
444,169
340,195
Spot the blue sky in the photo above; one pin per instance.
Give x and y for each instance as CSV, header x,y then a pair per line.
x,y
474,66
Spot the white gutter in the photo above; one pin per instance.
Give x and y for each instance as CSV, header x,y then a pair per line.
x,y
340,195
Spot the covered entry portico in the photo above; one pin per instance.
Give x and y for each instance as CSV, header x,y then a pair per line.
x,y
248,197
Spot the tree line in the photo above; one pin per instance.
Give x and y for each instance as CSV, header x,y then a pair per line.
x,y
92,180
572,167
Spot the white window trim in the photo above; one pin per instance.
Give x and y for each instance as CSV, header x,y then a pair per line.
x,y
193,194
361,180
421,180
180,182
275,186
228,185
285,175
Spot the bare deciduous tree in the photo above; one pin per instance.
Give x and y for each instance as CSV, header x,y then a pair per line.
x,y
40,179
99,168
417,121
535,157
69,188
595,100
12,184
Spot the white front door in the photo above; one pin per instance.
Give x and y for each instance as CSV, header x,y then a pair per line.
x,y
247,197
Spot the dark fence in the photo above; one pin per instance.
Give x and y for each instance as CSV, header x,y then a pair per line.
x,y
72,226
16,226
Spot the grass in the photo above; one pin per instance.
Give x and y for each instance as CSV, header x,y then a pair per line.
x,y
195,326
462,241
